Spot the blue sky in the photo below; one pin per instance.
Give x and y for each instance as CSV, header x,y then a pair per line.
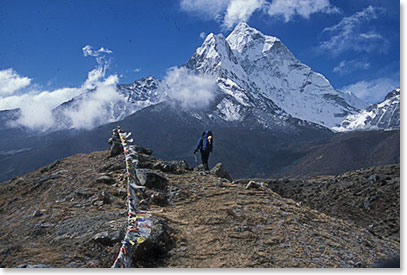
x,y
355,44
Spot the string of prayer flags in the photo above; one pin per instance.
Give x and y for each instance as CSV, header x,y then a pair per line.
x,y
139,223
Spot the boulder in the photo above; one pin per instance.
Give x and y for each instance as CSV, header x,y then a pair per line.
x,y
141,160
116,149
219,171
142,150
159,198
175,167
151,179
157,245
109,238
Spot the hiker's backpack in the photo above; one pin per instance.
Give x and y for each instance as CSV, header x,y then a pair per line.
x,y
206,143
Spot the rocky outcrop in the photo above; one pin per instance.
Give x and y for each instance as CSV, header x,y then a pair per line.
x,y
219,171
199,219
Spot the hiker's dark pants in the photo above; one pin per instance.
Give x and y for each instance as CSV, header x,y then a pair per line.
x,y
205,157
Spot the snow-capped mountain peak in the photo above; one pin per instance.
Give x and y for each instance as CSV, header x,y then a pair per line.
x,y
258,80
244,38
384,115
262,68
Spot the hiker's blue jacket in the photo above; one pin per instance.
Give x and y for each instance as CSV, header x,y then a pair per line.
x,y
203,144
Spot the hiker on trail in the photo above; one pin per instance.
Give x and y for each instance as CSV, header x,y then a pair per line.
x,y
116,145
205,145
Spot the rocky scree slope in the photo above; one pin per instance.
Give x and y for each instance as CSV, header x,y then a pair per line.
x,y
369,198
345,152
72,213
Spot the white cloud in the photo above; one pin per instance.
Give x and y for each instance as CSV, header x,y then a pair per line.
x,y
348,66
202,35
89,112
206,9
188,90
373,91
88,51
355,33
240,11
304,8
11,82
136,70
37,106
232,12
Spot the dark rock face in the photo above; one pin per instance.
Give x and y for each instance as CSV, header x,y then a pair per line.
x,y
219,171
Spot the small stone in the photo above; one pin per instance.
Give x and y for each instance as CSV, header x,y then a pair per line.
x,y
99,203
253,184
373,177
83,192
37,213
106,180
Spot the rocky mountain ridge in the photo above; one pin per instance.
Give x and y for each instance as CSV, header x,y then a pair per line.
x,y
72,213
246,109
257,79
383,115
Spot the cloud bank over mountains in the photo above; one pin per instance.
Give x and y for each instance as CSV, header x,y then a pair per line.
x,y
36,104
183,88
